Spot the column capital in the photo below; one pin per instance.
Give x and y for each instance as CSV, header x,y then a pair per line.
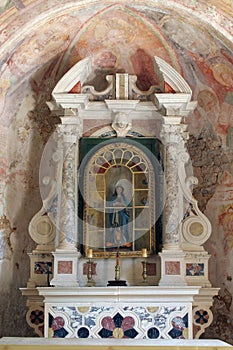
x,y
174,133
174,105
71,129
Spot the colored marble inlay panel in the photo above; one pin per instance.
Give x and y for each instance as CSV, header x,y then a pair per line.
x,y
180,327
42,267
37,317
195,269
56,327
172,267
201,317
151,269
118,327
140,322
83,332
65,267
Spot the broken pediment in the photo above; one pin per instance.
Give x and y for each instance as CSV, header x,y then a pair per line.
x,y
80,79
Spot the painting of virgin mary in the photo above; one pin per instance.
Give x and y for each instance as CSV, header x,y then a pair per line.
x,y
119,210
119,216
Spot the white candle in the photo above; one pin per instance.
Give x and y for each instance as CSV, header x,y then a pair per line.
x,y
144,252
89,253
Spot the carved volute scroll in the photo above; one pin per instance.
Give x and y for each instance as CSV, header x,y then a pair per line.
x,y
42,231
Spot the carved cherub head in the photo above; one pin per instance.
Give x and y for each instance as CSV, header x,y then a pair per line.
x,y
121,124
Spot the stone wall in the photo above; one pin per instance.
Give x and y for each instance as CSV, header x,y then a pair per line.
x,y
209,161
212,165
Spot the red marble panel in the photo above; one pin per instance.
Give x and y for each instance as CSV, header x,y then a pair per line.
x,y
65,267
150,269
172,267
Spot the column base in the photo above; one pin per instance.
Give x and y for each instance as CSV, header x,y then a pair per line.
x,y
172,268
65,268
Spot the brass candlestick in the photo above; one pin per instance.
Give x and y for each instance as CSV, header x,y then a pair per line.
x,y
117,267
90,281
144,271
117,281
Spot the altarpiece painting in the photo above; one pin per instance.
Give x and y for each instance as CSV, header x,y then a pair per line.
x,y
119,199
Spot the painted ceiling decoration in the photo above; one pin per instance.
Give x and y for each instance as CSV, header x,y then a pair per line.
x,y
42,40
47,38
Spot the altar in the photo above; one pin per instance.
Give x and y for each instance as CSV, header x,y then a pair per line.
x,y
119,236
118,312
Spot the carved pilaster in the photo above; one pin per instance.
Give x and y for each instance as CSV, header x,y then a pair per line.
x,y
173,137
172,257
66,255
68,205
60,201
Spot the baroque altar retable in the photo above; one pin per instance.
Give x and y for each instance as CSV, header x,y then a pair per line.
x,y
133,140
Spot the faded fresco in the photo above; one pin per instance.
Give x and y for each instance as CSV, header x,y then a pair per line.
x,y
118,38
220,245
5,5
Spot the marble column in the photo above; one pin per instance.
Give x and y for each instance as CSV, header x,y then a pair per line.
x,y
173,109
66,254
173,137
